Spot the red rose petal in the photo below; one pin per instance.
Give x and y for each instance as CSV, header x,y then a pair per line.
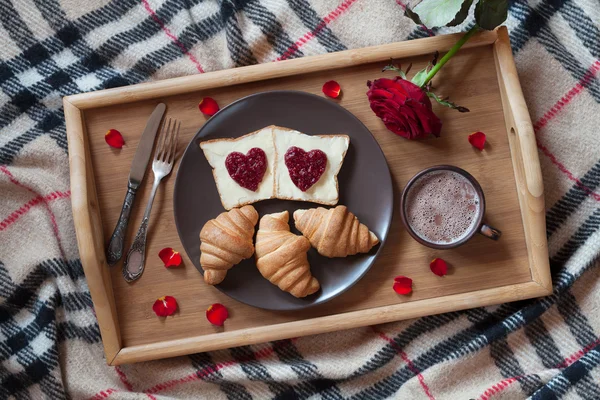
x,y
208,106
477,140
114,138
217,314
332,89
402,285
170,257
439,267
165,306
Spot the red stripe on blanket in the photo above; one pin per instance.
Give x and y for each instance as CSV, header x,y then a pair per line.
x,y
497,388
123,378
332,16
172,36
568,173
15,215
103,394
407,360
574,357
423,27
560,104
46,205
566,99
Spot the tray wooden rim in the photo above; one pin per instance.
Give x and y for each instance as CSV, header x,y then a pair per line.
x,y
86,212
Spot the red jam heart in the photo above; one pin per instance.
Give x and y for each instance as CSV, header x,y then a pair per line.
x,y
305,167
247,170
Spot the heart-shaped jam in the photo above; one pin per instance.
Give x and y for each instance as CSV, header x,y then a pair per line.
x,y
305,167
247,170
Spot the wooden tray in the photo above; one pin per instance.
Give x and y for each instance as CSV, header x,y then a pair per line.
x,y
481,77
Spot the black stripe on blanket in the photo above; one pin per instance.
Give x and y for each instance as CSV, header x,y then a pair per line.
x,y
415,330
578,323
532,20
316,25
71,31
20,33
572,200
419,33
546,348
207,371
500,350
255,371
583,233
239,50
151,62
312,382
583,26
559,385
463,342
274,32
535,24
38,365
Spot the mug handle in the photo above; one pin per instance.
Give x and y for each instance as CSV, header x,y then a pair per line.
x,y
490,232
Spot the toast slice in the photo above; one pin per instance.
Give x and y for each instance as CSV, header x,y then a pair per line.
x,y
231,193
325,190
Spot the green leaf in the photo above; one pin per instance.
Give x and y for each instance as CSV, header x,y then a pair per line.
x,y
420,76
491,13
434,13
447,103
462,14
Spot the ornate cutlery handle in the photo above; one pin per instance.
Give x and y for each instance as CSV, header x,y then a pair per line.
x,y
134,263
114,251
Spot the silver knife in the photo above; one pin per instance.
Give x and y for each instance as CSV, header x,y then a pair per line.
x,y
114,251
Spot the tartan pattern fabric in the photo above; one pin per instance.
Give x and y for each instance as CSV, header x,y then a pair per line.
x,y
50,345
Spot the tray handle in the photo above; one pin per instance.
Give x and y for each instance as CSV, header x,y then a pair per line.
x,y
525,160
521,120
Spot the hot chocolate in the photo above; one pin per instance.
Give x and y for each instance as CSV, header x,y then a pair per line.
x,y
442,207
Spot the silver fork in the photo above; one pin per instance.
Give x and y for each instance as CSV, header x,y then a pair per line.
x,y
164,158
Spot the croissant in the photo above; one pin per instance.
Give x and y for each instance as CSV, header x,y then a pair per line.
x,y
334,232
281,256
225,241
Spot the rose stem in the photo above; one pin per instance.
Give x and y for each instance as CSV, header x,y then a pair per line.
x,y
449,54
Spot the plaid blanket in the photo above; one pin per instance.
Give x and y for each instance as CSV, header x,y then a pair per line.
x,y
49,338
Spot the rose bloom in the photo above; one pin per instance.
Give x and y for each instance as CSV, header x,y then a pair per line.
x,y
403,107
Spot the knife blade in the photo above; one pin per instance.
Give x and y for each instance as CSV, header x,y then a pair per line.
x,y
114,251
144,149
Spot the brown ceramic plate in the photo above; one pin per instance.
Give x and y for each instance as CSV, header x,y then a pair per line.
x,y
364,180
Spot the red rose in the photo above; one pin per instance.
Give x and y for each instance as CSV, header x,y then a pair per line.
x,y
403,107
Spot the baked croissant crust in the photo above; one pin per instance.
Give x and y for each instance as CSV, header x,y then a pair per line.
x,y
225,241
334,232
281,256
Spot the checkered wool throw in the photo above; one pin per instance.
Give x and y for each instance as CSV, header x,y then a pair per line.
x,y
49,339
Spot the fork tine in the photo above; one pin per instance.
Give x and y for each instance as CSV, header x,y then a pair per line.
x,y
174,154
163,142
159,139
169,142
